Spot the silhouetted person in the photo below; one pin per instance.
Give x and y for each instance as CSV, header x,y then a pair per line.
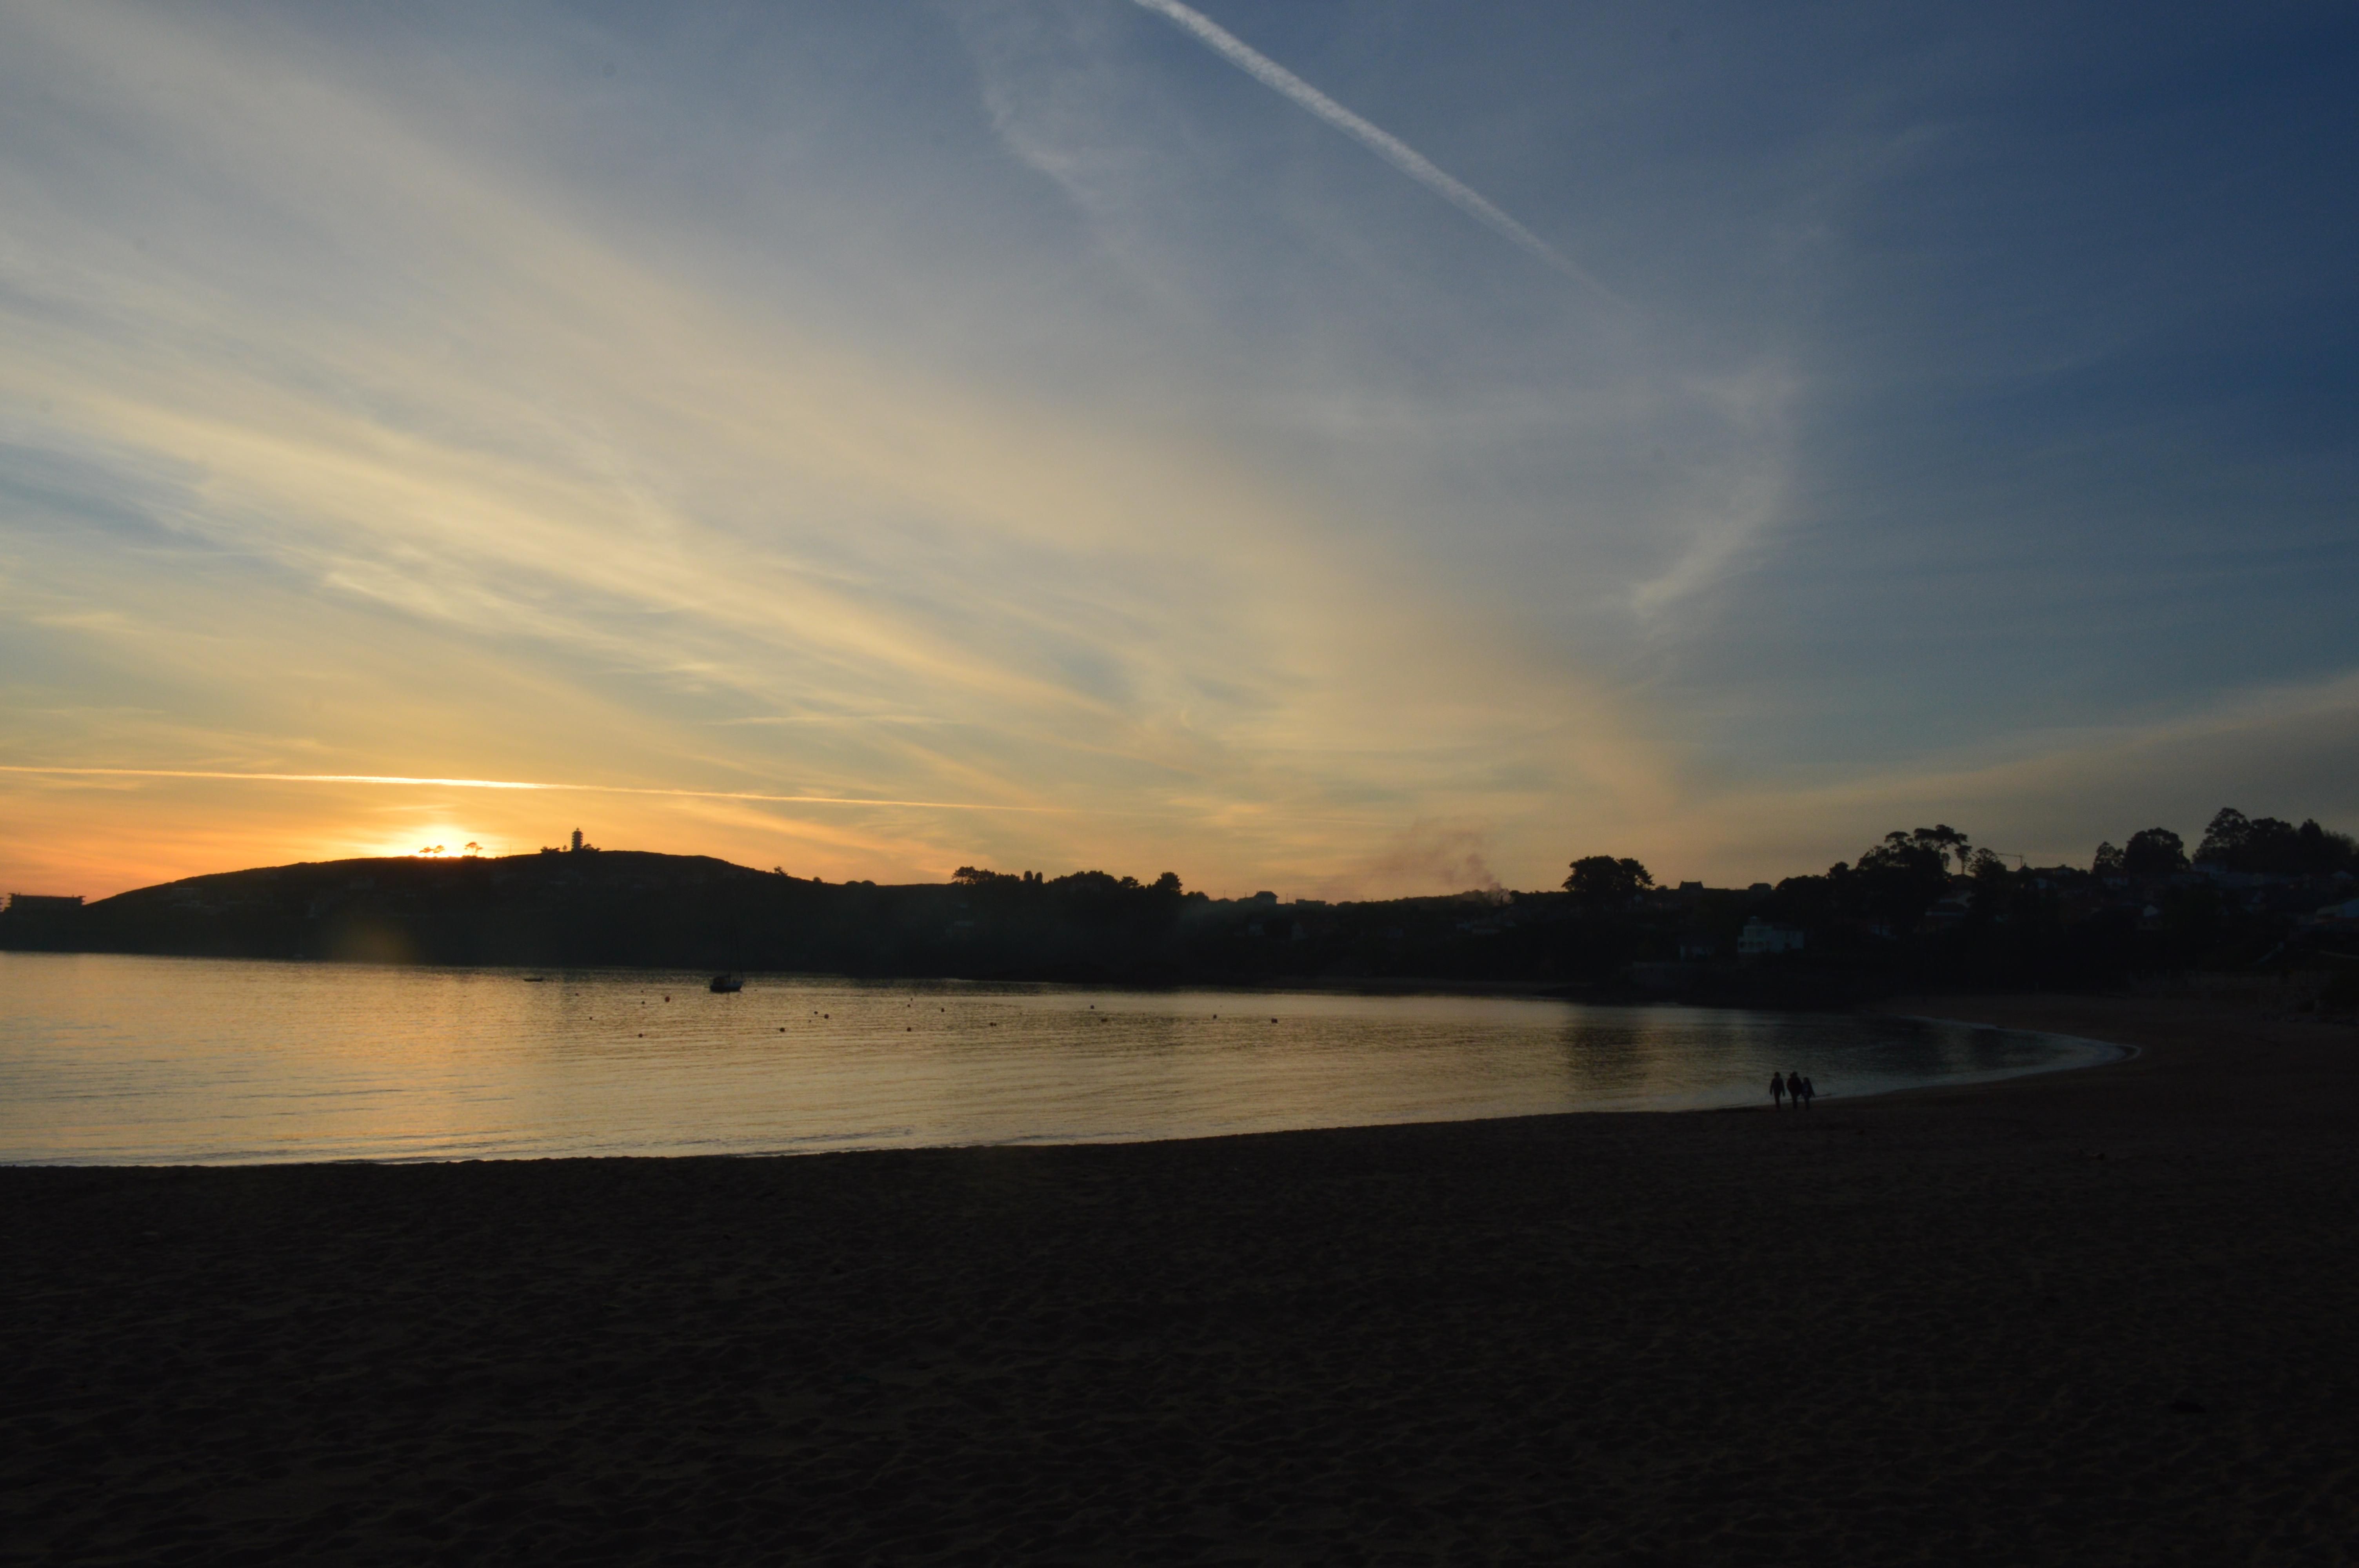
x,y
1810,1092
1777,1089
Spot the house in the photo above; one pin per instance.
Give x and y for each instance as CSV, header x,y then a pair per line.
x,y
1697,944
1950,910
1759,937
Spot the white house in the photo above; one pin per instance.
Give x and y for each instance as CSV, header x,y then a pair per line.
x,y
1760,936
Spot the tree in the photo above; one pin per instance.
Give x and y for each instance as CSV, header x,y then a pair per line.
x,y
2324,852
2224,839
1943,840
2108,862
2267,845
1904,852
1806,900
1900,876
1602,882
1167,883
2275,847
2154,853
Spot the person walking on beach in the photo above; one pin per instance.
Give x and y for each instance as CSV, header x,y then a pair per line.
x,y
1777,1089
1808,1092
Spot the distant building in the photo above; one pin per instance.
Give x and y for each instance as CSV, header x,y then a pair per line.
x,y
2217,875
577,838
1951,910
1759,937
1264,897
42,903
1698,944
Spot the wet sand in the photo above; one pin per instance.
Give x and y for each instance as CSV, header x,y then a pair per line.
x,y
2091,1317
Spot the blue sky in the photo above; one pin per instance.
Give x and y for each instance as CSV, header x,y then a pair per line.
x,y
1020,414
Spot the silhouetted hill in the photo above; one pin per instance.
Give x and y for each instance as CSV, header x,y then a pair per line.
x,y
628,908
594,907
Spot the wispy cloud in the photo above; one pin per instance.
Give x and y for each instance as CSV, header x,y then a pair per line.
x,y
1725,506
1067,618
397,780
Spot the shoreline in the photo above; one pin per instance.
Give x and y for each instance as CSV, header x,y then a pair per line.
x,y
2063,1317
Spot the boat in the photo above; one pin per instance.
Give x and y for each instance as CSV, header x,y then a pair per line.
x,y
728,983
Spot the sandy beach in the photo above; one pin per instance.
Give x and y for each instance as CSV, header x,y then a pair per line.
x,y
2091,1317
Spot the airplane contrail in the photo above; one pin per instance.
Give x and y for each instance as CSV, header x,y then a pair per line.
x,y
522,784
1383,143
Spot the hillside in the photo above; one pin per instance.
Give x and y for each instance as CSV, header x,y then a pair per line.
x,y
623,907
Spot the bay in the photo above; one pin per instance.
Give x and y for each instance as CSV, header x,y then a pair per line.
x,y
109,1059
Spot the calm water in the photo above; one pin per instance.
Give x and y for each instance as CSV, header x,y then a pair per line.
x,y
123,1060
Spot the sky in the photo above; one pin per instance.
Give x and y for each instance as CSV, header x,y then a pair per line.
x,y
1353,450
